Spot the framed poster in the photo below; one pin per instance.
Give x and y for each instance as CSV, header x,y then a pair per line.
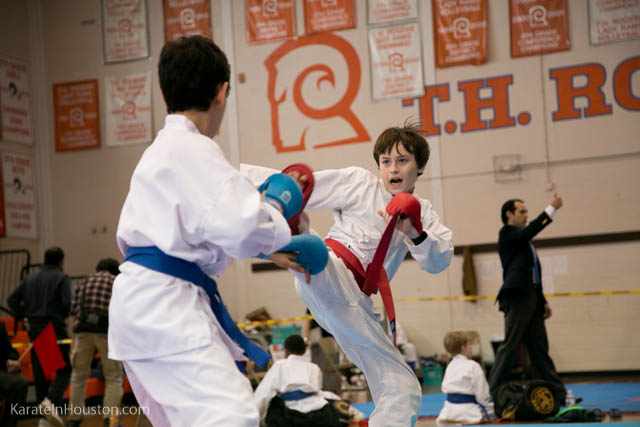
x,y
538,26
613,20
128,118
19,196
186,18
387,11
15,101
76,115
124,30
269,20
396,62
460,32
329,15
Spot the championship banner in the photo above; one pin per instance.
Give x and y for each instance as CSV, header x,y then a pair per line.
x,y
269,20
186,18
19,197
460,28
385,11
396,62
15,110
76,118
128,109
538,26
329,15
613,20
124,28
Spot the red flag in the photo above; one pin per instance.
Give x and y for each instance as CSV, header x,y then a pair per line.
x,y
48,351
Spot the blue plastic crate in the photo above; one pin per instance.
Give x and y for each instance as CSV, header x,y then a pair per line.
x,y
432,375
280,333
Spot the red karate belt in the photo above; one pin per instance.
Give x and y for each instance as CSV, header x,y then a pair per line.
x,y
302,169
375,278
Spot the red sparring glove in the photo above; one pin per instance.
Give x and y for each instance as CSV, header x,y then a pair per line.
x,y
407,206
303,169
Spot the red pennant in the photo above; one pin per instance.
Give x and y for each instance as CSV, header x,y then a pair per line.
x,y
48,351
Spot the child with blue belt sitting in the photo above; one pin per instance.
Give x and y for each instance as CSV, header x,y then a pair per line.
x,y
465,387
290,394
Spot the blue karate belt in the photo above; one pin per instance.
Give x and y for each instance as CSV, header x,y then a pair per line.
x,y
295,395
154,259
467,398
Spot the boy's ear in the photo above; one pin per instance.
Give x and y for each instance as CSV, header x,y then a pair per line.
x,y
221,97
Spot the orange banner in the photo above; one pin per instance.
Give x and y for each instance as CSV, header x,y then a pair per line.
x,y
268,20
460,28
538,26
186,18
76,115
329,15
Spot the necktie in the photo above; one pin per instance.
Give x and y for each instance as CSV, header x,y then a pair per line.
x,y
536,267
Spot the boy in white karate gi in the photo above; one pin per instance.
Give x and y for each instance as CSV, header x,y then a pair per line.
x,y
187,214
298,383
358,199
465,387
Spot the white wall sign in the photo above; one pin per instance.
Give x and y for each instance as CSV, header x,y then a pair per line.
x,y
19,197
15,108
128,109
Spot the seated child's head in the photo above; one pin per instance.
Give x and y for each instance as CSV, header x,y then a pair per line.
x,y
294,344
458,342
401,154
191,70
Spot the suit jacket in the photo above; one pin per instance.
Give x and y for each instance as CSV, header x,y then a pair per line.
x,y
517,259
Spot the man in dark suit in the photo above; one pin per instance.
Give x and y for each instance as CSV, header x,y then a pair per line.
x,y
520,298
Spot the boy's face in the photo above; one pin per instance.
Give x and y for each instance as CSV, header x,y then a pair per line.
x,y
467,350
398,170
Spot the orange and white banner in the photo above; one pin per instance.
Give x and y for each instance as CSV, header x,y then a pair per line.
x,y
186,18
19,198
329,15
128,118
396,62
613,20
460,28
269,20
15,109
538,26
385,11
76,115
125,32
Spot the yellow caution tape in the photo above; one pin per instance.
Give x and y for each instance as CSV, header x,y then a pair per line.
x,y
422,299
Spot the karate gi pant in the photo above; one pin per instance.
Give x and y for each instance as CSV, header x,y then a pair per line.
x,y
200,387
339,306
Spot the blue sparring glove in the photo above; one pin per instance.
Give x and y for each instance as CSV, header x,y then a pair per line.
x,y
285,191
311,250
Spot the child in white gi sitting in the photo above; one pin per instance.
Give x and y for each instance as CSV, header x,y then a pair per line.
x,y
465,387
290,394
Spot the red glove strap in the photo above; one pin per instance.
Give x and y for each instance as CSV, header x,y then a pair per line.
x,y
303,169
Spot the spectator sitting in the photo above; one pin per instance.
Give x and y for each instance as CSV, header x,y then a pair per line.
x,y
290,393
13,386
466,389
90,309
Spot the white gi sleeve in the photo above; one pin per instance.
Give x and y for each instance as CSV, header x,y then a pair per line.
x,y
241,223
267,389
435,252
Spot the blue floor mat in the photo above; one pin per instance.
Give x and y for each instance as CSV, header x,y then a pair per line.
x,y
604,396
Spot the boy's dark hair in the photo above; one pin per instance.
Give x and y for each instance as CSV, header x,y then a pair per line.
x,y
190,71
454,341
508,206
294,344
412,139
109,264
54,256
